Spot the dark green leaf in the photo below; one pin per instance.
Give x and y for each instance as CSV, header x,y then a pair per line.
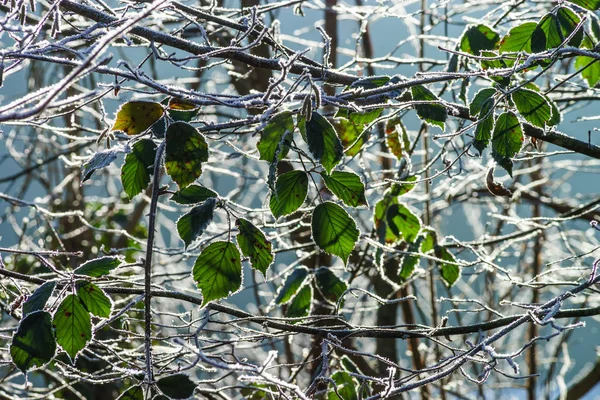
x,y
346,387
506,140
553,29
178,386
480,99
333,230
330,286
133,393
591,69
448,270
293,282
290,191
347,186
518,38
300,305
137,169
190,226
398,189
37,301
185,152
98,267
180,110
94,299
403,222
385,234
193,194
218,271
434,113
276,138
493,63
135,117
532,106
254,245
556,117
33,345
478,38
73,326
485,126
587,4
259,391
323,142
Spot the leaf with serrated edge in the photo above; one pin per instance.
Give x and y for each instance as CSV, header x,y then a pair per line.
x,y
532,106
449,271
403,222
254,245
334,231
330,286
347,186
301,304
293,282
191,225
137,168
218,271
135,117
178,386
506,140
73,326
290,191
477,38
276,138
98,267
518,38
323,142
33,344
37,301
193,194
434,113
94,299
185,151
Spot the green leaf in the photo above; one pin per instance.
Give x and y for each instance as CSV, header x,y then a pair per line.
x,y
532,106
290,191
334,231
94,299
556,117
396,137
180,110
254,245
358,118
384,232
403,222
478,38
293,282
98,267
485,126
506,140
480,99
178,386
186,150
398,189
347,186
553,29
590,66
218,271
276,137
518,38
135,117
433,114
300,305
348,133
409,261
323,142
429,240
137,169
133,393
191,225
37,301
591,5
330,286
449,272
493,63
193,194
73,326
33,345
346,387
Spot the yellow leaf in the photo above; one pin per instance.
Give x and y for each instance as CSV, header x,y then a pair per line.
x,y
135,117
178,104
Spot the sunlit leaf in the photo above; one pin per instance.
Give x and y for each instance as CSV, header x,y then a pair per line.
x,y
396,137
532,106
254,245
518,38
178,386
99,160
323,142
94,299
554,28
33,344
276,137
191,225
480,99
137,169
98,267
133,393
347,186
218,271
330,286
181,110
73,326
434,113
333,230
352,136
506,140
185,152
590,66
293,282
449,271
290,191
385,234
477,38
346,387
398,189
485,126
301,304
403,222
135,117
193,194
37,301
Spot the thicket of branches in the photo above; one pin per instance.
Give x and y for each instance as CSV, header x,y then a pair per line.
x,y
299,199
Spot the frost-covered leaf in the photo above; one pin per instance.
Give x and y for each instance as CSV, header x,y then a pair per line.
x,y
137,169
193,194
73,326
506,140
218,271
290,191
403,222
477,38
185,152
449,271
276,137
518,38
330,286
37,301
191,225
293,282
135,117
333,230
33,344
94,299
98,267
301,304
254,245
532,106
432,113
323,142
347,186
